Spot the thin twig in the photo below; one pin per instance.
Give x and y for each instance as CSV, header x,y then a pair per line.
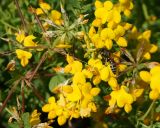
x,y
9,95
21,15
35,91
41,26
39,64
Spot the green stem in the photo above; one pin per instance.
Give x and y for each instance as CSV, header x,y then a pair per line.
x,y
10,26
145,11
148,111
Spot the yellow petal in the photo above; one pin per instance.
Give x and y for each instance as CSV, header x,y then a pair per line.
x,y
155,70
98,4
45,6
24,61
122,42
104,73
107,33
39,11
127,108
55,15
34,121
122,67
79,78
153,48
96,80
52,115
108,44
20,36
154,95
61,120
108,5
46,108
75,95
69,58
67,89
51,99
145,76
28,41
95,91
113,83
147,56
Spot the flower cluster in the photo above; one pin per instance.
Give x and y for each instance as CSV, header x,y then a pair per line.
x,y
123,97
54,15
75,100
152,78
108,20
26,41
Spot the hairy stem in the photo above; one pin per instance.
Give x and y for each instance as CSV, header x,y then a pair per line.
x,y
21,15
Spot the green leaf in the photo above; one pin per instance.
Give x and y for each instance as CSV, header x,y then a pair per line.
x,y
25,118
13,125
55,81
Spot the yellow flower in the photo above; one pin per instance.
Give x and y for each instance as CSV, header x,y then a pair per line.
x,y
122,98
28,41
20,36
122,67
73,66
35,118
39,11
24,56
56,17
107,35
45,6
75,95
